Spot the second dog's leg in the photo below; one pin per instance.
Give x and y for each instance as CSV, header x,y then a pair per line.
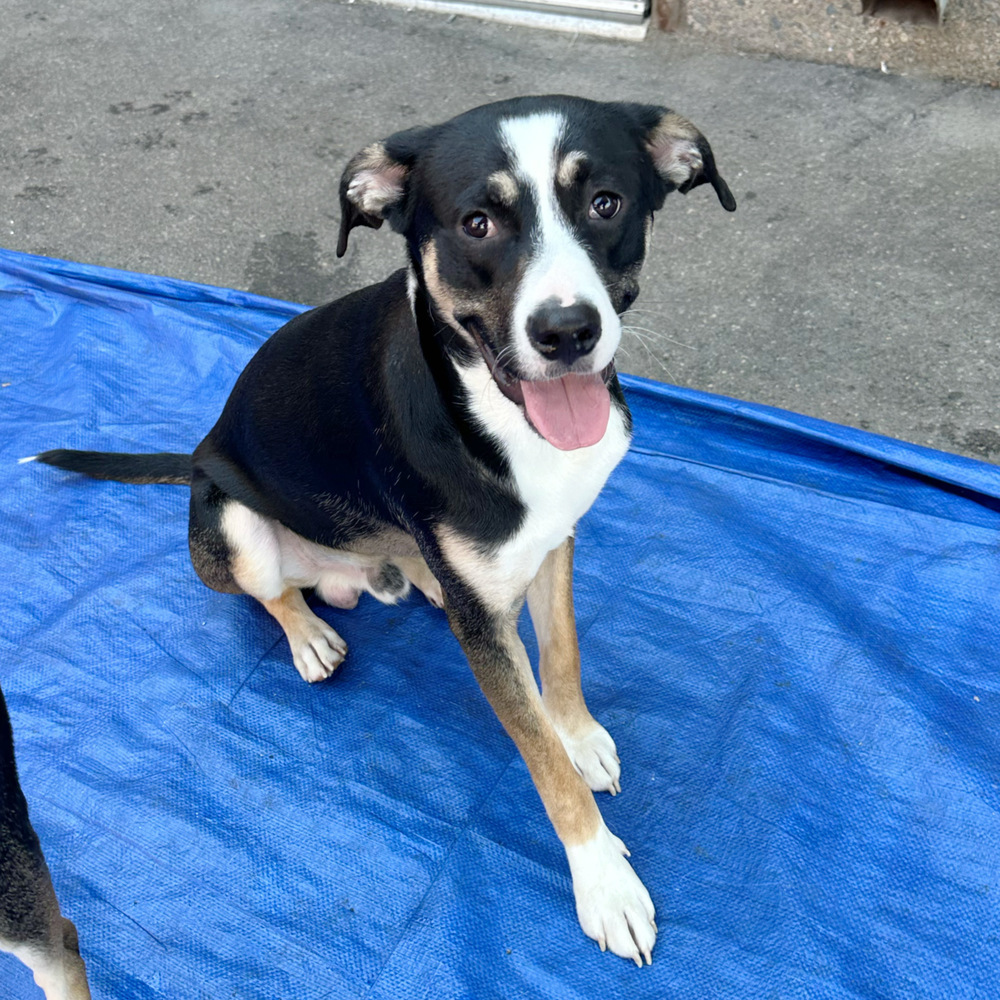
x,y
550,600
31,925
612,904
57,968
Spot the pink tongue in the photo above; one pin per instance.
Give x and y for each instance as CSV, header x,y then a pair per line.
x,y
569,412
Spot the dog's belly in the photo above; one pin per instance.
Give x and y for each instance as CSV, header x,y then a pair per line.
x,y
339,577
269,558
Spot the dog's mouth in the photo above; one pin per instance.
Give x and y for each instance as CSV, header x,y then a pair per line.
x,y
570,412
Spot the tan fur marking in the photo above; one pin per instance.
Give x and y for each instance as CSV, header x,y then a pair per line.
x,y
499,588
291,612
440,292
419,574
588,744
450,300
377,179
317,649
675,126
568,802
550,600
372,157
673,144
56,964
510,689
503,188
490,306
390,543
570,167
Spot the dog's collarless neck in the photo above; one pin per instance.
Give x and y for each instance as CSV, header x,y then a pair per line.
x,y
444,350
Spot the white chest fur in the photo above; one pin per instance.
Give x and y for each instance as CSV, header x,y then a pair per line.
x,y
556,487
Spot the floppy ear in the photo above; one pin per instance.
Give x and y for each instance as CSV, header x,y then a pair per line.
x,y
375,184
682,156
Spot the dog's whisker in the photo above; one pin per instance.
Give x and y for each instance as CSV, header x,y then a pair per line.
x,y
509,349
640,312
638,330
654,357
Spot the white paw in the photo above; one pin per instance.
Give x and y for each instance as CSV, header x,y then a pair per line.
x,y
431,589
317,651
595,758
612,905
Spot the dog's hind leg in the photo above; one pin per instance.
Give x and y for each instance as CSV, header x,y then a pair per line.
x,y
612,904
255,561
550,600
419,574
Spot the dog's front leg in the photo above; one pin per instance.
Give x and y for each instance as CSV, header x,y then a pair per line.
x,y
550,600
612,905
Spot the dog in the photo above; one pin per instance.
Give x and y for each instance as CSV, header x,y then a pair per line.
x,y
447,428
32,928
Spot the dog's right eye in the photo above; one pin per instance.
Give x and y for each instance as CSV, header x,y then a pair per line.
x,y
478,226
605,205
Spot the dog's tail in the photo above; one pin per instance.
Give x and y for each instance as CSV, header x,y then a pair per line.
x,y
163,467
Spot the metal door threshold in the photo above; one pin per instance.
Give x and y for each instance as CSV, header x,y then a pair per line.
x,y
584,17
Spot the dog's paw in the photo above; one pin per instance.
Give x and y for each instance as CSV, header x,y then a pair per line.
x,y
317,650
612,904
595,757
431,589
419,574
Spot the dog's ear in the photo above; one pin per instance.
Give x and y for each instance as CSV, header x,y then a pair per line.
x,y
375,184
680,153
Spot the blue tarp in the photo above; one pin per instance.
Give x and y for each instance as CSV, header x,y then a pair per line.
x,y
790,628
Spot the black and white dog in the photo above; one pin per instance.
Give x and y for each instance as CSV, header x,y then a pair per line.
x,y
448,427
31,924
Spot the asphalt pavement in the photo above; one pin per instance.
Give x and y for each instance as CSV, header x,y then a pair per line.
x,y
858,281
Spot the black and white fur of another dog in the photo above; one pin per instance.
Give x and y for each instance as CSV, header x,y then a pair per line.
x,y
448,427
31,925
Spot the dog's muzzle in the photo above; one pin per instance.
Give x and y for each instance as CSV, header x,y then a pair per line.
x,y
570,412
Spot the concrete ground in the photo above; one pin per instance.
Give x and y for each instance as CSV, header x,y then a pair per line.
x,y
203,139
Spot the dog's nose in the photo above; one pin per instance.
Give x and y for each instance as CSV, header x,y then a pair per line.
x,y
564,333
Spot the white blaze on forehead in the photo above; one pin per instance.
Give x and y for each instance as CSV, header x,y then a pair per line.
x,y
559,267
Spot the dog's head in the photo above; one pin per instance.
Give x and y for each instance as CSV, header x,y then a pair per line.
x,y
527,222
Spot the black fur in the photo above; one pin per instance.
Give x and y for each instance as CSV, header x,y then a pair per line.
x,y
403,420
29,911
357,403
24,876
374,430
162,467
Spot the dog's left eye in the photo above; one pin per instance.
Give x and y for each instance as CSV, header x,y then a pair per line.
x,y
478,226
605,205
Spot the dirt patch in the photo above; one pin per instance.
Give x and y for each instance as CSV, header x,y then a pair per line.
x,y
966,46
